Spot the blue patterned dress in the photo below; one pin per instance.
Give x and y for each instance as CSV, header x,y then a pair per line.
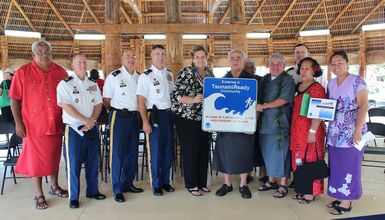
x,y
344,159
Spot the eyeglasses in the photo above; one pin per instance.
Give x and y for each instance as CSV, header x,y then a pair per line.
x,y
42,52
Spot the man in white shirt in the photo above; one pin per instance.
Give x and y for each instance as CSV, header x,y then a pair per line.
x,y
154,95
302,51
119,96
81,101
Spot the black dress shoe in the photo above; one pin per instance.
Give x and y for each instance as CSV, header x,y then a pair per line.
x,y
245,192
119,197
224,190
74,204
168,188
97,196
158,191
133,189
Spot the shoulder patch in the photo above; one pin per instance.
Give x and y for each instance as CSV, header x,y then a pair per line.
x,y
68,78
116,72
147,71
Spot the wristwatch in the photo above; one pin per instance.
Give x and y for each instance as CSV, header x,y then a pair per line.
x,y
312,131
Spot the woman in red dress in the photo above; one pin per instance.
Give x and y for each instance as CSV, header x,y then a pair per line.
x,y
306,132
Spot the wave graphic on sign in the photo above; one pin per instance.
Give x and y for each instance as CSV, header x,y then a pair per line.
x,y
231,103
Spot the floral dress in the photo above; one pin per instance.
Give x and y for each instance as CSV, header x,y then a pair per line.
x,y
344,159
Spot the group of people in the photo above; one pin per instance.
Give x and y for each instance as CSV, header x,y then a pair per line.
x,y
45,100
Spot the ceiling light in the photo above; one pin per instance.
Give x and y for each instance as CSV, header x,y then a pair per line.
x,y
90,37
373,27
258,35
314,33
154,36
194,36
22,34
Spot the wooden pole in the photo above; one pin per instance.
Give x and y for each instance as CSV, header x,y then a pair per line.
x,y
237,16
4,52
112,42
329,53
174,48
362,55
140,55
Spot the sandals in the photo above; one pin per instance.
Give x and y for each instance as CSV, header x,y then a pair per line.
x,y
281,192
58,191
263,179
40,202
334,204
306,201
341,210
194,192
265,187
205,189
297,197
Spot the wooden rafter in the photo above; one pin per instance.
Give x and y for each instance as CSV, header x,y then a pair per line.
x,y
257,10
341,13
368,15
24,15
214,7
81,17
311,16
326,14
177,27
224,16
128,19
135,7
8,15
85,2
284,15
53,7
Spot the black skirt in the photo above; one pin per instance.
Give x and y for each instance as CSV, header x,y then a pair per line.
x,y
234,153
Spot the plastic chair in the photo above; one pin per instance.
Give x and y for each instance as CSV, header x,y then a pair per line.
x,y
12,157
6,128
376,112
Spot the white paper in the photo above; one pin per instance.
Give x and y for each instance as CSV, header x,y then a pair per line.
x,y
368,136
75,126
322,109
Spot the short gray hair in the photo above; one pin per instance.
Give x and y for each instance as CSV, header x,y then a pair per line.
x,y
237,50
277,56
41,43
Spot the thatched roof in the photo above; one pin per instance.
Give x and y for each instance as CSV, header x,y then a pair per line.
x,y
54,19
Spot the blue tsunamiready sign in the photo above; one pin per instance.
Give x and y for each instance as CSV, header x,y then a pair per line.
x,y
229,104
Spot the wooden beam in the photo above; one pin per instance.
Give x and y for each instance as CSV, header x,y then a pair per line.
x,y
341,13
237,12
368,15
362,55
214,7
24,15
311,16
135,7
178,27
111,13
8,15
224,16
85,2
257,10
284,15
54,9
173,11
326,14
329,52
4,52
128,19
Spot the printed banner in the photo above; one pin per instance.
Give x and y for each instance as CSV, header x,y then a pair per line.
x,y
229,105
